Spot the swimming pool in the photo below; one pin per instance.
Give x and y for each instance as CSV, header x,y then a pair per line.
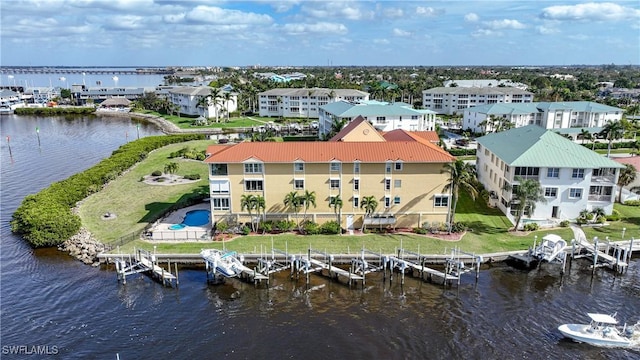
x,y
196,218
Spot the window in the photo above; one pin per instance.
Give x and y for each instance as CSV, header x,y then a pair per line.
x,y
396,200
441,200
334,184
219,169
356,202
397,183
298,167
387,184
553,172
253,185
575,193
298,184
356,168
398,166
387,168
356,184
577,174
550,192
387,201
526,171
335,166
220,187
220,203
253,168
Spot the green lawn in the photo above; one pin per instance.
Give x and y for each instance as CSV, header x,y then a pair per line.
x,y
186,122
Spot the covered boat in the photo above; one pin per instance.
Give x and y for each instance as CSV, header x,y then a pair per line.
x,y
603,331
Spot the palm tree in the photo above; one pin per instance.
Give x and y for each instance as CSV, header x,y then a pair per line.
x,y
586,135
248,202
626,177
611,131
227,97
369,204
261,207
293,201
308,199
171,168
309,93
461,175
526,194
215,99
335,202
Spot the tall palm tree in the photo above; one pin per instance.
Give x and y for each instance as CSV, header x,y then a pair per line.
x,y
293,201
611,131
308,199
586,135
248,202
226,98
335,202
309,94
215,100
461,175
369,204
261,207
526,194
626,177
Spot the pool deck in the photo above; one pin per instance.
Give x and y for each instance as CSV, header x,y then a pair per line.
x,y
162,226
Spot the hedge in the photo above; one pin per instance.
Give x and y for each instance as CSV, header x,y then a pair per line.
x,y
45,219
51,111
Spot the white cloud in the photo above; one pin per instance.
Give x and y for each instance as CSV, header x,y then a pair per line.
x,y
381,41
125,22
471,17
321,28
545,30
393,13
400,32
504,24
216,15
284,6
485,33
427,11
349,10
590,12
580,37
174,18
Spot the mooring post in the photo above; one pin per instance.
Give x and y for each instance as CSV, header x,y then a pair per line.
x,y
176,266
478,261
595,253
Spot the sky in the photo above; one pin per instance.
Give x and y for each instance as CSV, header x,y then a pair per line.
x,y
318,33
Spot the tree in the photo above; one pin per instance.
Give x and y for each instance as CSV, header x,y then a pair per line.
x,y
248,202
171,168
525,195
261,207
626,177
461,175
293,201
586,135
369,204
309,94
335,202
308,199
227,97
611,131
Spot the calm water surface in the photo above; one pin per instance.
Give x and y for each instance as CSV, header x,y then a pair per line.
x,y
49,299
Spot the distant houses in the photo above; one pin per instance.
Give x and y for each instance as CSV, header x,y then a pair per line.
x,y
303,102
573,178
382,115
548,115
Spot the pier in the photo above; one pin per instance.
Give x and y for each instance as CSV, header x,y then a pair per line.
x,y
145,262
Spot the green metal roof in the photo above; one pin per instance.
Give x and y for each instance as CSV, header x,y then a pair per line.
x,y
537,147
535,107
370,108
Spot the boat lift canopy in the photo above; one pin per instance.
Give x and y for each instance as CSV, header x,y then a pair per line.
x,y
603,318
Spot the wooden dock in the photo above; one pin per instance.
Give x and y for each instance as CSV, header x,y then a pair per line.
x,y
145,262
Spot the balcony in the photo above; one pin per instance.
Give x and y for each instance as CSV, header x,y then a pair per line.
x,y
610,179
605,198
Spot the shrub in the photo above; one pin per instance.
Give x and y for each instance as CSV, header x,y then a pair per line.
x,y
285,225
156,173
615,216
531,227
564,223
419,230
632,202
266,226
330,228
245,230
311,228
222,226
192,177
601,220
458,227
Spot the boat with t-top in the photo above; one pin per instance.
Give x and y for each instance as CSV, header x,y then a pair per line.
x,y
603,330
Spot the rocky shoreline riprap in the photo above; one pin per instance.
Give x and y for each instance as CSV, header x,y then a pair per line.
x,y
84,247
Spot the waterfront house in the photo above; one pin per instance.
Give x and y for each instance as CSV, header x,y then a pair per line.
x,y
455,100
189,100
549,115
403,176
572,177
383,116
303,103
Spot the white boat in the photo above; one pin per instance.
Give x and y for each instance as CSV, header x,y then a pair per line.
x,y
551,248
225,263
603,331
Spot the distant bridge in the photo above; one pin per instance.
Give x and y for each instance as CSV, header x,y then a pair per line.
x,y
87,71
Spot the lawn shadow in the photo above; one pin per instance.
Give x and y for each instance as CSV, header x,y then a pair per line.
x,y
157,210
480,228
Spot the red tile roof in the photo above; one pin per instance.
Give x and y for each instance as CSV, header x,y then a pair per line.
x,y
403,135
633,160
324,152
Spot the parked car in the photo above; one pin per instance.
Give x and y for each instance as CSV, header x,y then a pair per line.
x,y
314,125
462,142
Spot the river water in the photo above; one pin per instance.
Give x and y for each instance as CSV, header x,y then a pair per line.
x,y
80,312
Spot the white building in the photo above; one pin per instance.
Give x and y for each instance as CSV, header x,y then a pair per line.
x,y
304,102
484,83
455,100
382,115
190,101
549,115
573,177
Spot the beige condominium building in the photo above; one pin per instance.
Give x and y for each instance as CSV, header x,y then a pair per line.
x,y
400,169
